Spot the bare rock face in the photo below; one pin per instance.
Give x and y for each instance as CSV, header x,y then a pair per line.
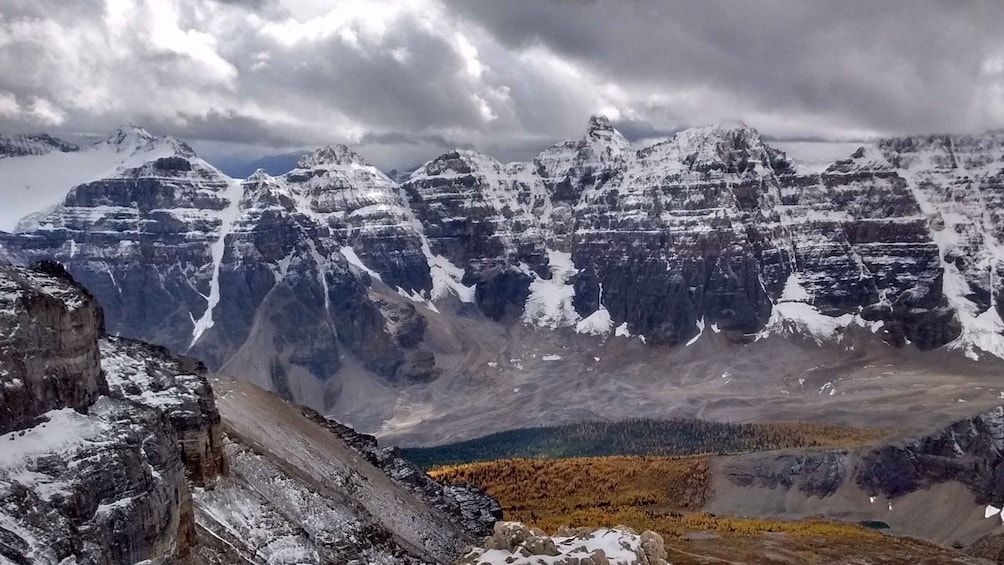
x,y
512,543
82,474
49,357
817,474
177,387
469,506
968,452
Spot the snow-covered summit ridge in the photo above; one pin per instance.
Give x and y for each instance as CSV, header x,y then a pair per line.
x,y
33,184
132,140
575,161
860,239
729,147
33,144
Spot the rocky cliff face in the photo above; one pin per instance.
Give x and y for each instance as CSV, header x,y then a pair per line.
x,y
295,280
94,464
115,451
466,504
967,452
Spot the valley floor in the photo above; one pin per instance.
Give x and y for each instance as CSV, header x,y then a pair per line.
x,y
668,495
500,378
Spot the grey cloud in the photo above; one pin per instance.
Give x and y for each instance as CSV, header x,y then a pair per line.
x,y
893,65
223,126
635,130
814,69
404,137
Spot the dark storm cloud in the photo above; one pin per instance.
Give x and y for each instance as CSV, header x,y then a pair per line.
x,y
224,126
406,80
891,65
405,138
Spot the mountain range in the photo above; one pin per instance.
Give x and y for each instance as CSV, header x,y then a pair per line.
x,y
599,266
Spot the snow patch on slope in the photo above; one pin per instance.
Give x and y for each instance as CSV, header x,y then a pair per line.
x,y
982,331
599,323
700,332
350,255
36,183
446,277
793,314
550,302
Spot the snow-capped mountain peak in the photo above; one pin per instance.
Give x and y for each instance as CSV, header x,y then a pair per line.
x,y
458,162
129,138
260,175
132,139
730,147
337,155
569,166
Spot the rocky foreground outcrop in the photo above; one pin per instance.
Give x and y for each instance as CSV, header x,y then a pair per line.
x,y
512,543
94,459
115,451
468,505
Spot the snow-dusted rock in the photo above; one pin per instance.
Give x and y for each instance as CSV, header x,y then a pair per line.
x,y
468,505
89,470
513,543
40,144
112,452
275,277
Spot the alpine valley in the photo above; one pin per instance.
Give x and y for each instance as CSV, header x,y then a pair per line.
x,y
178,347
708,274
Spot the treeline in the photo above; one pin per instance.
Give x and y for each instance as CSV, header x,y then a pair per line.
x,y
676,437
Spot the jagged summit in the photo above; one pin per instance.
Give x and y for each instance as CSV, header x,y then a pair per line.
x,y
338,155
692,236
460,162
130,137
569,167
599,123
260,175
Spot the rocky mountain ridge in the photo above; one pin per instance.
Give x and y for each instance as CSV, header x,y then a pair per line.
x,y
297,281
33,144
959,466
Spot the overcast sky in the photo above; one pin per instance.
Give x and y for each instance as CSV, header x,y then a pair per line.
x,y
405,80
